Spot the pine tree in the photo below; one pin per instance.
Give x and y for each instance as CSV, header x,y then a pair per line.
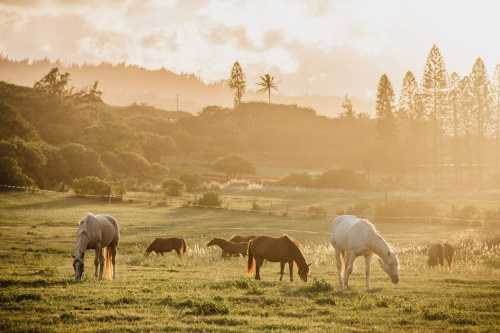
x,y
407,108
385,109
348,112
480,88
496,87
454,105
434,89
237,83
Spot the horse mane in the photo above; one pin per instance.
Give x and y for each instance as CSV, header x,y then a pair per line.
x,y
294,246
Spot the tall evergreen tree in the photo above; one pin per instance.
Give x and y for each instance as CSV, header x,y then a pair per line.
x,y
496,85
434,89
454,105
348,112
480,88
385,109
237,83
407,108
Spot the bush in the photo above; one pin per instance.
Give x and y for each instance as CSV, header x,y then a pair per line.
x,y
210,199
12,174
192,181
233,166
316,212
91,186
341,179
298,180
173,187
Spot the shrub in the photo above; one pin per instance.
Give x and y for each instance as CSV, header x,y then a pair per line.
x,y
341,179
91,186
193,181
158,170
316,212
173,187
210,199
297,179
234,165
12,174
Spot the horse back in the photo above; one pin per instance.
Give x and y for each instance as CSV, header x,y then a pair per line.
x,y
108,229
271,248
351,232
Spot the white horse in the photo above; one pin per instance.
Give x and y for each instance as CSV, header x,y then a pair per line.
x,y
353,237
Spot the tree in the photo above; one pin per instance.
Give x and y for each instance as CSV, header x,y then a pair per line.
x,y
348,112
434,86
12,174
408,103
267,83
54,83
173,187
454,104
385,109
237,83
480,88
234,166
496,88
193,181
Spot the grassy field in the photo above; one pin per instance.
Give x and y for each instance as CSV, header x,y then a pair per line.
x,y
203,293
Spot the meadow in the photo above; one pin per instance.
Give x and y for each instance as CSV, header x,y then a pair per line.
x,y
203,293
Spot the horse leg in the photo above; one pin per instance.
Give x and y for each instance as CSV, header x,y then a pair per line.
x,y
282,270
258,262
96,262
178,251
113,256
348,267
368,260
338,259
290,266
101,263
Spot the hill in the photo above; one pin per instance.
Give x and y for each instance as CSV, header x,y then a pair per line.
x,y
127,84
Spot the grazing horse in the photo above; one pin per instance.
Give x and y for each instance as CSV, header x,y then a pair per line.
x,y
237,239
438,252
161,245
276,249
97,232
353,237
229,248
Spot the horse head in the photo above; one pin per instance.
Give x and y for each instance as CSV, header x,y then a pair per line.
x,y
214,241
390,265
79,267
304,271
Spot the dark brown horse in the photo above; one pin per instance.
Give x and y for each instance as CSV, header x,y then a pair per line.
x,y
161,245
237,239
282,250
229,248
438,252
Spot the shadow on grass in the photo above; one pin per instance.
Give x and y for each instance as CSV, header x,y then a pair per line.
x,y
39,283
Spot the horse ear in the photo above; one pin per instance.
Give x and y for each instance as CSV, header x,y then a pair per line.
x,y
309,265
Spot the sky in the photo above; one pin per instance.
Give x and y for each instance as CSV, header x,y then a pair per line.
x,y
322,47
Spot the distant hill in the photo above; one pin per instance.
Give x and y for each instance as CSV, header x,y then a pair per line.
x,y
127,84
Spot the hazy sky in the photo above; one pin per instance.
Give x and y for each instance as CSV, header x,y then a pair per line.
x,y
312,47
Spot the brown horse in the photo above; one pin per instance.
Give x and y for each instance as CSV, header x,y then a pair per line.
x,y
282,250
229,248
237,239
161,245
438,252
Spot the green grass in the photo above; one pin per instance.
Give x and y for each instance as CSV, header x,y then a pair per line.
x,y
203,293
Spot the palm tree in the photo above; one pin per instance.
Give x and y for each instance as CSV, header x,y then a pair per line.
x,y
267,83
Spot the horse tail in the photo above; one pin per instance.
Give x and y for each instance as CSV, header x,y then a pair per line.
x,y
108,264
251,260
183,246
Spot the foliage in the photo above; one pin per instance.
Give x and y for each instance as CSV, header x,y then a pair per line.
x,y
54,83
234,165
344,179
192,181
13,124
12,174
91,186
209,199
173,187
81,161
267,84
237,83
298,180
